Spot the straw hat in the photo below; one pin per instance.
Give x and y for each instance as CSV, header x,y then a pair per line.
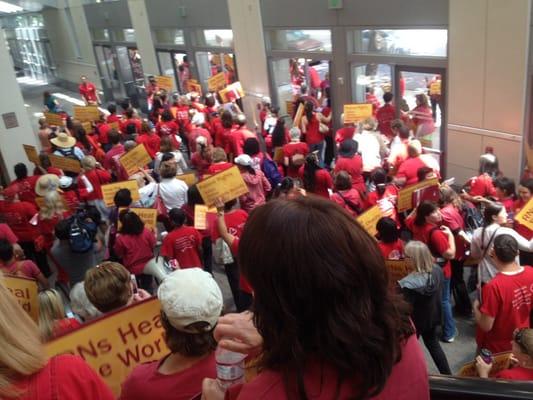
x,y
46,183
63,140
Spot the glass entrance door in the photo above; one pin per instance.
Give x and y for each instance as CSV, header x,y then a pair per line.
x,y
423,98
109,74
210,64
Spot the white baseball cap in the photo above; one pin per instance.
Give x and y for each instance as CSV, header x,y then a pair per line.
x,y
190,295
244,159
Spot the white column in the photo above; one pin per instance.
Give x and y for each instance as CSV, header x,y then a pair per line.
x,y
488,56
12,104
250,54
143,36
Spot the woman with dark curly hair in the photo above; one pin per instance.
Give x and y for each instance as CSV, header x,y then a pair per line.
x,y
325,324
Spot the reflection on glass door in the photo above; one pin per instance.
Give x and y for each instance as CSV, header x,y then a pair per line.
x,y
370,82
210,64
423,99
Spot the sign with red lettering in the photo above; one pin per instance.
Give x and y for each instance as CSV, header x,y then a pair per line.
x,y
525,216
115,344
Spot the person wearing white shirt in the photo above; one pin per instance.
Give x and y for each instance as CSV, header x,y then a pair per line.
x,y
173,191
369,145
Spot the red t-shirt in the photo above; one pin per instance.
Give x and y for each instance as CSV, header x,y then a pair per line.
x,y
168,128
7,234
112,118
407,381
114,152
103,130
291,149
97,177
235,220
508,299
323,182
197,132
182,244
344,133
521,229
24,268
352,196
392,251
88,91
135,121
313,135
25,188
482,186
516,374
151,143
409,169
65,377
218,167
18,215
65,325
135,250
354,167
436,240
146,382
452,218
385,115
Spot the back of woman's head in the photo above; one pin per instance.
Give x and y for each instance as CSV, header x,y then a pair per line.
x,y
108,286
379,178
492,209
219,155
227,119
80,304
308,110
423,210
310,167
310,301
166,145
278,134
122,198
449,196
6,251
167,116
132,224
177,216
388,231
168,170
251,147
506,185
22,352
343,181
53,205
420,256
51,309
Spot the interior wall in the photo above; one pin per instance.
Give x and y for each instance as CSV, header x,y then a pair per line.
x,y
113,14
188,14
487,67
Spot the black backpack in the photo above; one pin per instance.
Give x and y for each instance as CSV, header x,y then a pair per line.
x,y
82,232
473,218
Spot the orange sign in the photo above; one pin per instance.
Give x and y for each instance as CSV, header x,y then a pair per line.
x,y
398,269
189,178
31,153
525,216
500,362
109,190
356,112
147,215
227,185
200,216
114,125
405,195
25,291
65,163
216,82
369,220
53,119
135,159
165,82
195,87
233,91
86,113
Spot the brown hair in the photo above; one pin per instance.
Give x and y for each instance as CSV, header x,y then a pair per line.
x,y
168,170
219,155
108,286
312,302
343,181
188,344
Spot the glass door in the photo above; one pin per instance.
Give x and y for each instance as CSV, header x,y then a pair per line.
x,y
210,64
105,75
166,65
423,98
370,82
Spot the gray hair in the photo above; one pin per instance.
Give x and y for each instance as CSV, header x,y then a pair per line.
x,y
419,252
295,133
80,304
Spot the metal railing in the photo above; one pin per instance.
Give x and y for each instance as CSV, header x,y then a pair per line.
x,y
454,388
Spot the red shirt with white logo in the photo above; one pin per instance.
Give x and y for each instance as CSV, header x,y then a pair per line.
x,y
88,91
18,215
182,244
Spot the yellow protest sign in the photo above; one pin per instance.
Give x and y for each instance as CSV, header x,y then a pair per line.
x,y
86,113
165,82
226,185
31,153
233,91
500,362
200,216
25,291
405,195
195,87
87,126
115,344
147,215
114,125
53,119
356,112
216,82
228,61
290,107
278,155
65,163
398,269
369,220
435,88
189,178
525,216
109,190
135,159
299,115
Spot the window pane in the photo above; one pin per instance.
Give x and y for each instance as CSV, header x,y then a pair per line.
x,y
300,40
169,36
404,42
371,81
124,35
129,35
216,37
100,34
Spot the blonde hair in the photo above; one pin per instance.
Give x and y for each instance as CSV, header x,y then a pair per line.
x,y
219,155
420,254
88,162
108,286
51,309
369,124
22,351
53,205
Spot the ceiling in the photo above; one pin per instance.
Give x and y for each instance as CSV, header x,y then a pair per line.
x,y
10,7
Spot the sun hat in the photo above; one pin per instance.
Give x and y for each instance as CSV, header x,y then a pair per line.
x,y
63,140
190,295
46,183
348,148
244,159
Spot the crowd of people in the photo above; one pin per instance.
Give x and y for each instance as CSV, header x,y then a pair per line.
x,y
317,309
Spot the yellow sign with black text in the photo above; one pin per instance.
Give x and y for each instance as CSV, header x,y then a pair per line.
x,y
65,163
189,178
226,185
147,215
25,291
31,153
135,159
53,119
165,82
369,220
86,113
398,269
525,216
216,82
405,195
356,112
109,190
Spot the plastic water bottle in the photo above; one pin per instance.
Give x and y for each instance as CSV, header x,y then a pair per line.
x,y
230,367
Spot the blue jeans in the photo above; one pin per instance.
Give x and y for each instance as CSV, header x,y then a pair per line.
x,y
321,148
448,330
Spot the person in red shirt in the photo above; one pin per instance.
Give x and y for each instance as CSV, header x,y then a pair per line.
x,y
131,119
521,368
390,244
7,234
198,130
134,245
220,162
11,265
24,185
385,115
344,133
167,126
97,176
314,138
61,377
188,316
525,191
505,194
348,160
239,135
112,117
408,171
371,98
111,160
385,195
316,179
272,259
183,243
103,128
149,139
424,223
294,153
88,92
346,196
506,300
52,319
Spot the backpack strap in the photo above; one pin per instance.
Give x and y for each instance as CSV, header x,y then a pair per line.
x,y
350,203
